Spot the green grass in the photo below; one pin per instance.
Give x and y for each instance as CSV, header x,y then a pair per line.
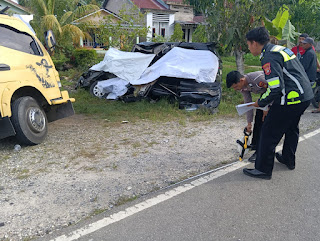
x,y
251,60
161,111
117,111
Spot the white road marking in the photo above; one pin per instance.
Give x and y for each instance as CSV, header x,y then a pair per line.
x,y
147,204
160,198
311,134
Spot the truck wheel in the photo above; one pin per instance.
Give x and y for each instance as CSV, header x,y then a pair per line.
x,y
29,120
95,91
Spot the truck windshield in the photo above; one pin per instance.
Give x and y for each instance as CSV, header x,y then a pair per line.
x,y
14,39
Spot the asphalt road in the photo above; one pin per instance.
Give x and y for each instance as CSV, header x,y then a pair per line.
x,y
229,207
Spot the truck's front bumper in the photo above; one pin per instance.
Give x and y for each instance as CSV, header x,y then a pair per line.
x,y
60,111
6,128
61,107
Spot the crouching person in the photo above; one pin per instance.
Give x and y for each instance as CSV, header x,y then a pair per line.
x,y
250,83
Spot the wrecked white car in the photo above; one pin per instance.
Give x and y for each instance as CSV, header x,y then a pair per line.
x,y
187,72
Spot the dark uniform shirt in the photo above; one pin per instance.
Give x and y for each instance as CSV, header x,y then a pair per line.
x,y
309,63
256,84
288,83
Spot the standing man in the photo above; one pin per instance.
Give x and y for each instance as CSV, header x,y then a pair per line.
x,y
290,92
298,50
309,62
309,59
252,82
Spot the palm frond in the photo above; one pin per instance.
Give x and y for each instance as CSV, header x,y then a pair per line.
x,y
39,7
74,32
51,22
66,18
84,10
50,6
87,36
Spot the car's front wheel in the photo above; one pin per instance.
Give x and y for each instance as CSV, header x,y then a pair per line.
x,y
29,120
95,91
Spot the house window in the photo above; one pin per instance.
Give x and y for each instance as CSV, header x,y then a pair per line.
x,y
163,32
162,18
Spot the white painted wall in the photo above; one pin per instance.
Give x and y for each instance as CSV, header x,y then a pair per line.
x,y
149,25
171,24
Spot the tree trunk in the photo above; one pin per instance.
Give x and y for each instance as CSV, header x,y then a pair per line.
x,y
239,60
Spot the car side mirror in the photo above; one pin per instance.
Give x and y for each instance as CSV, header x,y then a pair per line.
x,y
50,41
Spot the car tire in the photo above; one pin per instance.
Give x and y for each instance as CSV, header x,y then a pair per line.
x,y
96,91
29,121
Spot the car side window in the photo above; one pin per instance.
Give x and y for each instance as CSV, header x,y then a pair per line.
x,y
14,39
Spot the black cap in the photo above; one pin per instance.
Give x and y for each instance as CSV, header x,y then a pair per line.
x,y
308,40
304,35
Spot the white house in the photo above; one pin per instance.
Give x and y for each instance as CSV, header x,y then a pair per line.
x,y
95,19
184,15
159,17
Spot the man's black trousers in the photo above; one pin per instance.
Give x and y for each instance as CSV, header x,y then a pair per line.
x,y
256,129
281,120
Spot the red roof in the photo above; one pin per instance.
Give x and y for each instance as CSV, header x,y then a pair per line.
x,y
149,4
175,1
198,19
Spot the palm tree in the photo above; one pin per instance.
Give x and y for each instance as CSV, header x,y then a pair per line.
x,y
58,16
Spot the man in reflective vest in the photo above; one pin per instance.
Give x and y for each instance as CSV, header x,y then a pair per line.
x,y
289,91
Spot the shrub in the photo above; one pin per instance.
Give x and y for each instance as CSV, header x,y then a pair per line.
x,y
177,35
84,58
59,60
159,39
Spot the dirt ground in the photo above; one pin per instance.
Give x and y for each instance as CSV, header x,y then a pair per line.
x,y
87,166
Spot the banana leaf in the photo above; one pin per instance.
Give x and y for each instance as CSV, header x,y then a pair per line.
x,y
274,31
281,19
289,33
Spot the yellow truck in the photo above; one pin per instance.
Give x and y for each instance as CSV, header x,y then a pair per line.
x,y
30,94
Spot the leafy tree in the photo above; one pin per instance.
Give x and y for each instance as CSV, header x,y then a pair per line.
x,y
177,35
59,18
281,27
200,35
305,16
228,21
122,33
